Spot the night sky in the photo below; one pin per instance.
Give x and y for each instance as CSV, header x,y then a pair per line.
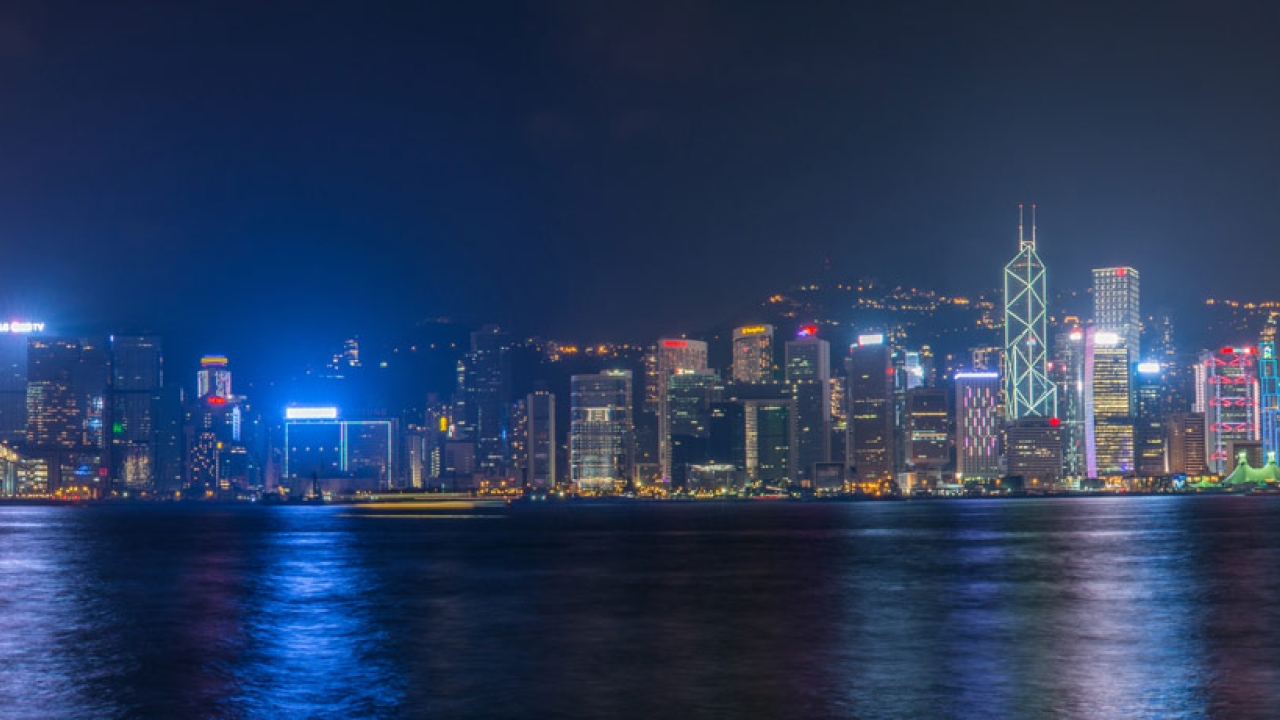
x,y
252,178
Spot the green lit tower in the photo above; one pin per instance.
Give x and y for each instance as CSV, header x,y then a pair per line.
x,y
1028,390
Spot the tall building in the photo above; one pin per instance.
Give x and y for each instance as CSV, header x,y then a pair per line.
x,y
13,389
340,456
1227,394
690,394
66,411
1269,392
870,447
769,428
600,431
1108,406
753,354
541,445
213,379
1028,389
137,377
483,400
1186,443
808,372
670,355
1149,431
1068,374
927,432
1116,306
1033,447
977,426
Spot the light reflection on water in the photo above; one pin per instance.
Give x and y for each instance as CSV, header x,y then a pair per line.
x,y
1089,608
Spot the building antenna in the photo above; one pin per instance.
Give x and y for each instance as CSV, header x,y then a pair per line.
x,y
1033,223
1019,223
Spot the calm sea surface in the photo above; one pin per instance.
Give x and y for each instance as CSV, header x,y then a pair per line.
x,y
1090,608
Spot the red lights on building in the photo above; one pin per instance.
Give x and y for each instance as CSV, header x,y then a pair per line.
x,y
1120,272
1054,422
215,400
807,331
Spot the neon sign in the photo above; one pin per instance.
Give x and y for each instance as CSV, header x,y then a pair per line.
x,y
21,327
318,413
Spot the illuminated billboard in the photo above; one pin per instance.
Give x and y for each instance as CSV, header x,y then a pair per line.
x,y
21,327
311,413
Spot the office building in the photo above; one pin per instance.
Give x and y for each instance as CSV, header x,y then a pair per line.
x,y
1028,390
927,432
482,403
669,356
808,372
1227,392
1186,443
600,431
1068,375
753,354
1149,432
340,456
1034,450
1269,400
1108,408
978,423
541,444
870,446
1116,307
137,377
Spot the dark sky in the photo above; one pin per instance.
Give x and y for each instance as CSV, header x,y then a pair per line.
x,y
245,173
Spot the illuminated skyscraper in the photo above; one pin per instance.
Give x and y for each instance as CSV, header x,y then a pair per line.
x,y
484,390
1116,306
927,436
214,378
1068,374
1108,405
1270,400
1028,390
541,428
13,388
136,365
1149,431
600,431
977,425
671,355
808,372
1227,394
1186,443
870,436
753,354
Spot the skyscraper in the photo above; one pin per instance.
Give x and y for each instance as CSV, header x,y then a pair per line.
x,y
600,431
870,435
690,394
1108,405
1269,388
1116,306
753,354
484,376
670,356
137,376
1068,374
1028,390
1227,394
808,372
927,433
977,425
1149,431
541,445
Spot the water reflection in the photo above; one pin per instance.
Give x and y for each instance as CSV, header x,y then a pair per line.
x,y
1091,608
